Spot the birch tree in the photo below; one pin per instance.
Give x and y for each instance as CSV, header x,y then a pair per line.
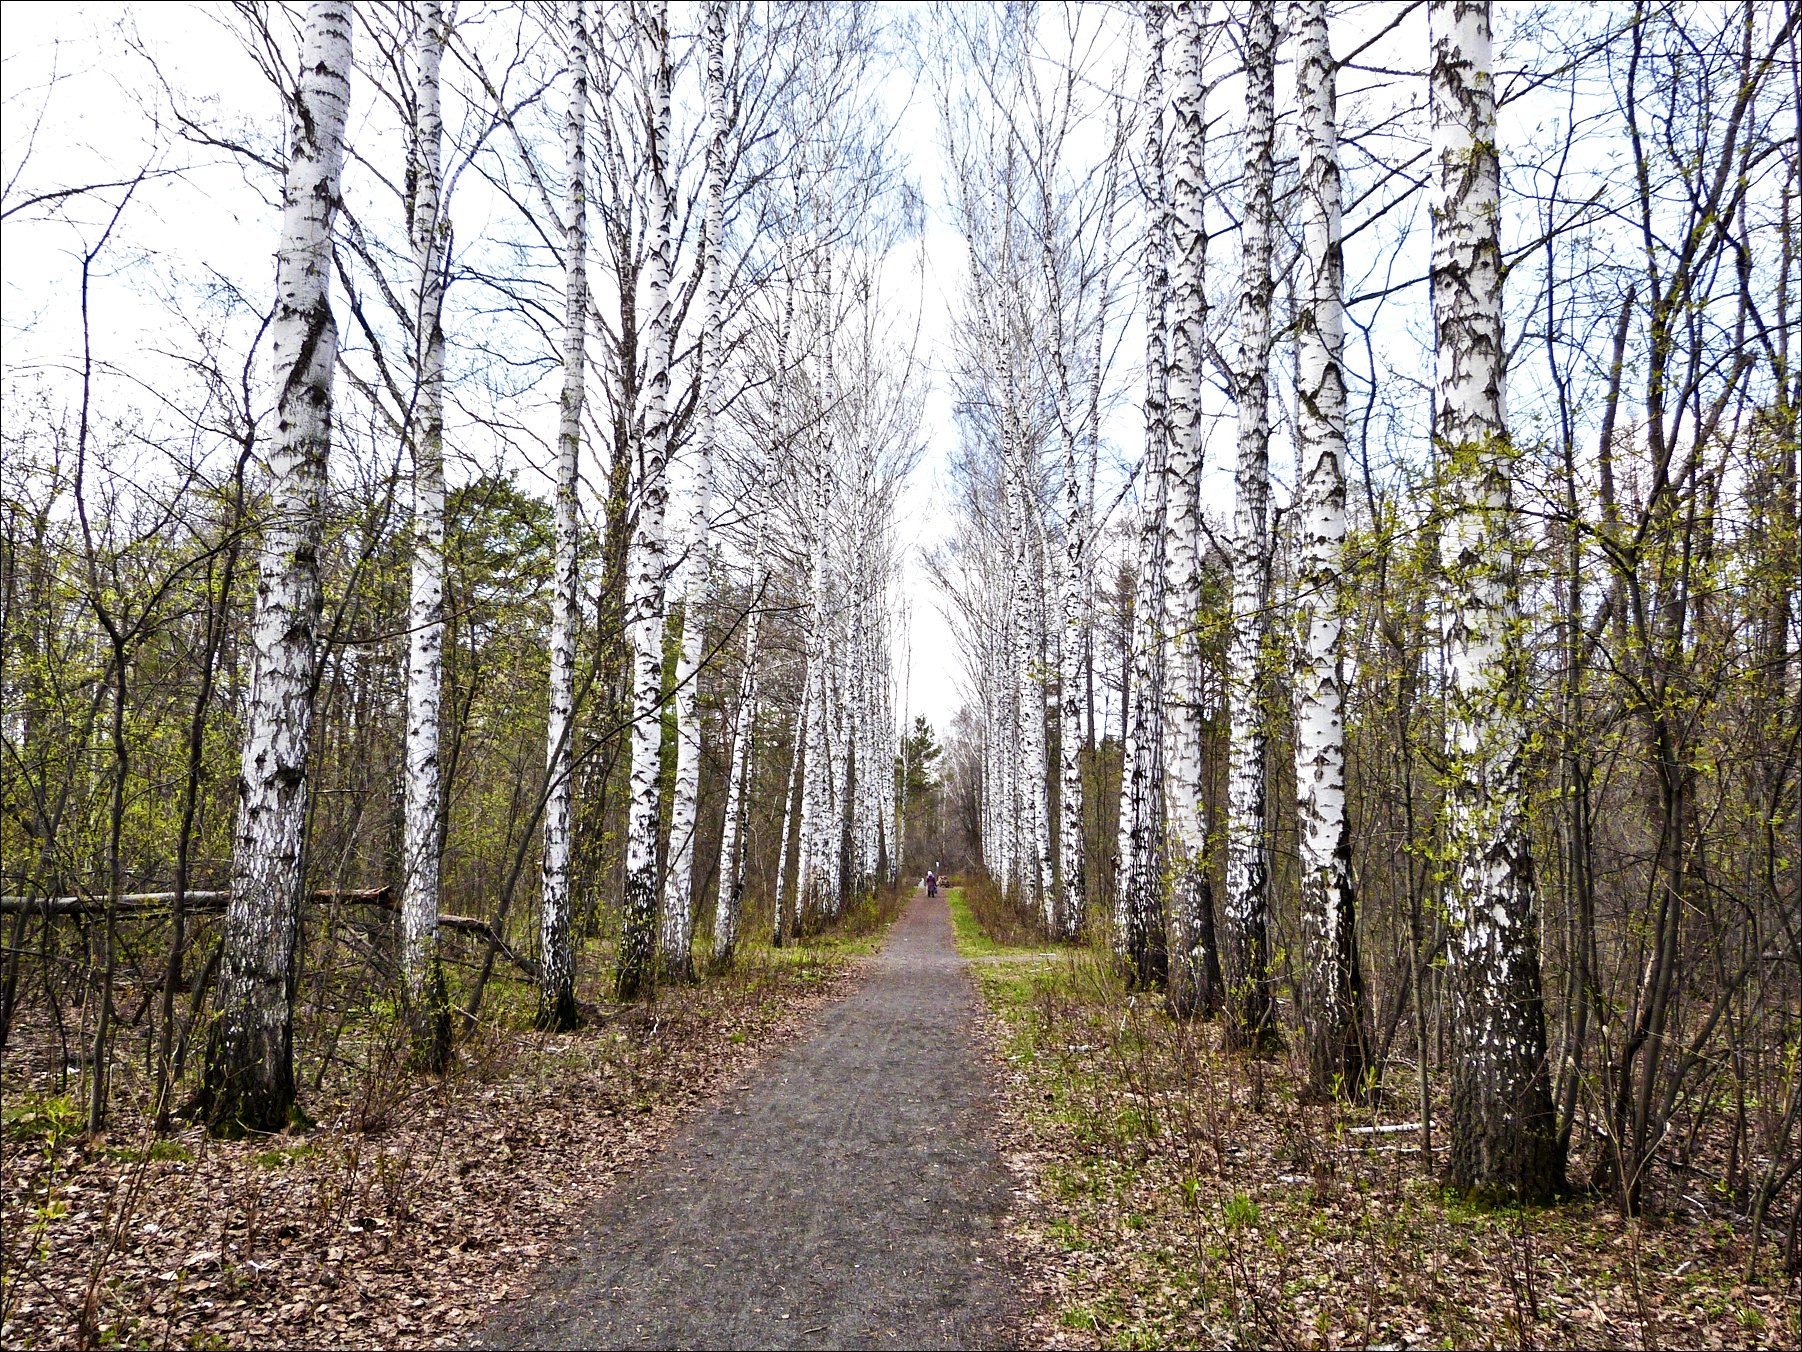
x,y
427,1004
732,837
1335,1025
1251,1021
1138,923
644,603
1193,982
249,1081
691,575
1503,1134
556,938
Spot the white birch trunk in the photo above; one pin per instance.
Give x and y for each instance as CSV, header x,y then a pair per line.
x,y
1035,770
1138,924
691,576
1251,1015
816,780
780,927
644,600
835,826
1503,1131
556,938
423,845
1191,959
249,1078
1333,1017
744,739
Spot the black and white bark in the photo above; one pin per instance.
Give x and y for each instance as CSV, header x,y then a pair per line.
x,y
557,957
1503,1134
249,1078
732,838
1138,911
1251,1015
1193,981
645,582
428,1008
689,583
1337,1057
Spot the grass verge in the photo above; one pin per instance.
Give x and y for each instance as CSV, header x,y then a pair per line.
x,y
1187,1197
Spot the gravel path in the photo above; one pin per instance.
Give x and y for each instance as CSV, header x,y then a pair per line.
x,y
846,1196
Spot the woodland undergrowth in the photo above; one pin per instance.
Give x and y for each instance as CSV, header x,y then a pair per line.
x,y
409,1206
1184,1196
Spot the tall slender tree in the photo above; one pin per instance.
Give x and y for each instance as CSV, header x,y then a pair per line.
x,y
644,603
557,953
1503,1133
249,1080
692,572
1337,1057
1251,1012
1194,965
428,1006
732,837
1139,938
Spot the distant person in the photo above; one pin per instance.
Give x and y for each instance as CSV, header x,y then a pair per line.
x,y
932,884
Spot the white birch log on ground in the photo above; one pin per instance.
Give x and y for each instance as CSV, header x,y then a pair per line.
x,y
1504,1136
428,1007
249,1078
1251,1021
556,937
1332,985
644,601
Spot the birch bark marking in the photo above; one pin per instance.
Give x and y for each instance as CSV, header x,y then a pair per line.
x,y
780,929
644,604
1251,1021
744,741
1333,995
556,940
1138,926
1503,1132
249,1077
1194,983
428,1007
1068,903
691,576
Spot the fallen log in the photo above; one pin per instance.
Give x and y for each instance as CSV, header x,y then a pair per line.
x,y
200,900
205,901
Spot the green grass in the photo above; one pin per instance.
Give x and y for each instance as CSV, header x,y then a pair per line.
x,y
54,1117
973,941
282,1157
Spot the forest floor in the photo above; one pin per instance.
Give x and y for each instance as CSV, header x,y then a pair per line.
x,y
1183,1197
411,1210
846,1194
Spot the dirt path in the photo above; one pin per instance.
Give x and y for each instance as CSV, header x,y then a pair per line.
x,y
845,1196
